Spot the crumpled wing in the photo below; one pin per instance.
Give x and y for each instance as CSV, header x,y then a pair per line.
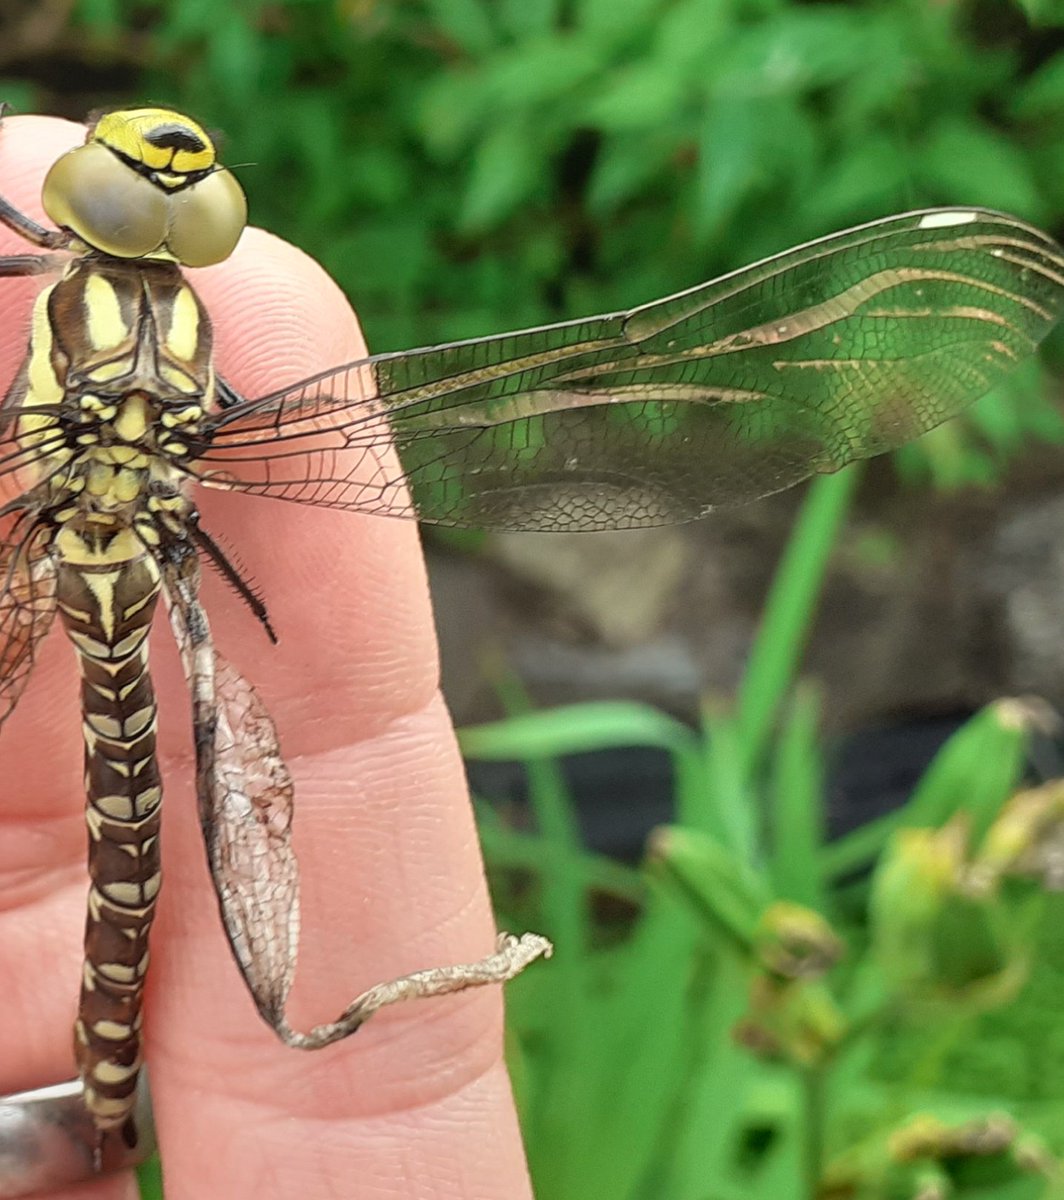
x,y
245,806
27,607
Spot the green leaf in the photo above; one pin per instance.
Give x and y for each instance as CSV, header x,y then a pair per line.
x,y
640,96
1041,97
1045,13
962,162
507,170
468,22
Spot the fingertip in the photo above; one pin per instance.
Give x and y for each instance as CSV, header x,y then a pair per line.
x,y
278,315
28,147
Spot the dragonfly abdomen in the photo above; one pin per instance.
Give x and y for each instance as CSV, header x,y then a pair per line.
x,y
107,588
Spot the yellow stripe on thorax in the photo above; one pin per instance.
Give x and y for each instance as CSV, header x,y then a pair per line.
x,y
104,322
182,338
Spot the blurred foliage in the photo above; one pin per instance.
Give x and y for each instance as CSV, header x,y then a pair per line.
x,y
758,1014
468,166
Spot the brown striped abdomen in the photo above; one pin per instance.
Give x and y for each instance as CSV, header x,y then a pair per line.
x,y
107,587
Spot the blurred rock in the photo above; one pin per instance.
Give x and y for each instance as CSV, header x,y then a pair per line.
x,y
934,604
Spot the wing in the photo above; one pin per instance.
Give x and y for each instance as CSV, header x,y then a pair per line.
x,y
245,806
802,363
245,800
27,607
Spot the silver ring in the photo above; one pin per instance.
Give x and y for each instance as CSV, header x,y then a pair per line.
x,y
48,1140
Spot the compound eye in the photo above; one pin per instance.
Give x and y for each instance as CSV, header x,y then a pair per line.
x,y
207,219
93,193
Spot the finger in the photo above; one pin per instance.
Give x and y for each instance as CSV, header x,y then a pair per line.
x,y
392,875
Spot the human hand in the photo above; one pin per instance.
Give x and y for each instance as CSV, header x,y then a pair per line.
x,y
417,1105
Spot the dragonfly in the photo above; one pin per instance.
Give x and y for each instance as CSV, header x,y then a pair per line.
x,y
831,352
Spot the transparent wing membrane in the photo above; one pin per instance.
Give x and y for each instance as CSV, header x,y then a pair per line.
x,y
832,352
27,607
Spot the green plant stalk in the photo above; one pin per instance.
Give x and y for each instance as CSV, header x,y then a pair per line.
x,y
788,615
814,1122
796,799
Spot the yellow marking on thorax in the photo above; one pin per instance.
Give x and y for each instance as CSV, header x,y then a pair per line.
x,y
121,456
105,372
131,423
182,338
43,389
43,385
104,323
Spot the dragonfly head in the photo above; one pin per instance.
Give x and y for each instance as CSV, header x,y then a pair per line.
x,y
147,184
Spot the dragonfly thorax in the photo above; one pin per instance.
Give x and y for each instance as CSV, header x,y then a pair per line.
x,y
119,377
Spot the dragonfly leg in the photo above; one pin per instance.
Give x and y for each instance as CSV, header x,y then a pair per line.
x,y
228,396
28,264
31,230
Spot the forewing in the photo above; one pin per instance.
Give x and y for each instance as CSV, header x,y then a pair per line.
x,y
802,363
27,607
245,805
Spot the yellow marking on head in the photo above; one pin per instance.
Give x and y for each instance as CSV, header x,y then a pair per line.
x,y
182,338
104,322
160,138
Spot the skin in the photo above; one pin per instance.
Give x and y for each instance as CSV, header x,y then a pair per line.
x,y
417,1105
